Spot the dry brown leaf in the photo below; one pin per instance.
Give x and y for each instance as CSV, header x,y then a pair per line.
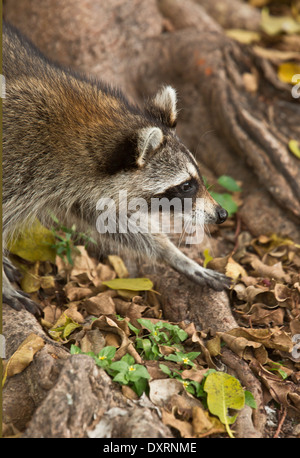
x,y
23,356
245,348
205,425
76,293
100,305
129,309
260,315
270,338
93,340
72,312
103,273
118,266
262,270
214,346
284,392
234,270
117,332
51,314
281,292
185,429
194,374
129,393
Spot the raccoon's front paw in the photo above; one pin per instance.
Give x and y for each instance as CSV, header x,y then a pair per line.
x,y
213,279
18,300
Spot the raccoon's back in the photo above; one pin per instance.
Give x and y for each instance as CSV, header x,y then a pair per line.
x,y
20,57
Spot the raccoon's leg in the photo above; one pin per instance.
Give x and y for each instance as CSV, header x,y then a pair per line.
x,y
168,253
16,299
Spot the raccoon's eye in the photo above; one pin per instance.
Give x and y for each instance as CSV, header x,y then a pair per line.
x,y
187,186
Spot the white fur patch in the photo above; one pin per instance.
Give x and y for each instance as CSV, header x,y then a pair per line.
x,y
166,99
148,141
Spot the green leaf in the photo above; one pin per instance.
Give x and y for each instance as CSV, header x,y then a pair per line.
x,y
294,147
133,328
120,377
140,386
193,354
69,328
131,284
74,350
224,392
147,347
176,358
109,352
128,359
228,183
182,335
250,400
119,366
141,371
147,324
165,369
226,201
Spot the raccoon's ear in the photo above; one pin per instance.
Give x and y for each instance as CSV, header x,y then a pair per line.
x,y
149,140
163,106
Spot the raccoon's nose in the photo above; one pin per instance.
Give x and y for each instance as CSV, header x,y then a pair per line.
x,y
221,215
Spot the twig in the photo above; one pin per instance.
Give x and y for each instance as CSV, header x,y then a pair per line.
x,y
281,421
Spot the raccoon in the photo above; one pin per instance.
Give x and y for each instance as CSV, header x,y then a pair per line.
x,y
69,140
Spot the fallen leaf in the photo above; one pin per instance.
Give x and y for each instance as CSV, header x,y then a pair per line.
x,y
234,270
93,341
185,428
23,356
132,284
270,338
204,424
243,346
100,305
33,243
118,266
31,281
224,392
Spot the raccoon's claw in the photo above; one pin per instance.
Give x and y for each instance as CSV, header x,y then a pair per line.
x,y
16,299
19,300
11,271
213,279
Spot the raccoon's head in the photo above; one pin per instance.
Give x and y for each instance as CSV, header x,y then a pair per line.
x,y
166,168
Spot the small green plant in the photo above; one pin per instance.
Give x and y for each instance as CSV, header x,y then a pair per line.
x,y
225,199
160,333
127,373
124,371
66,239
184,359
